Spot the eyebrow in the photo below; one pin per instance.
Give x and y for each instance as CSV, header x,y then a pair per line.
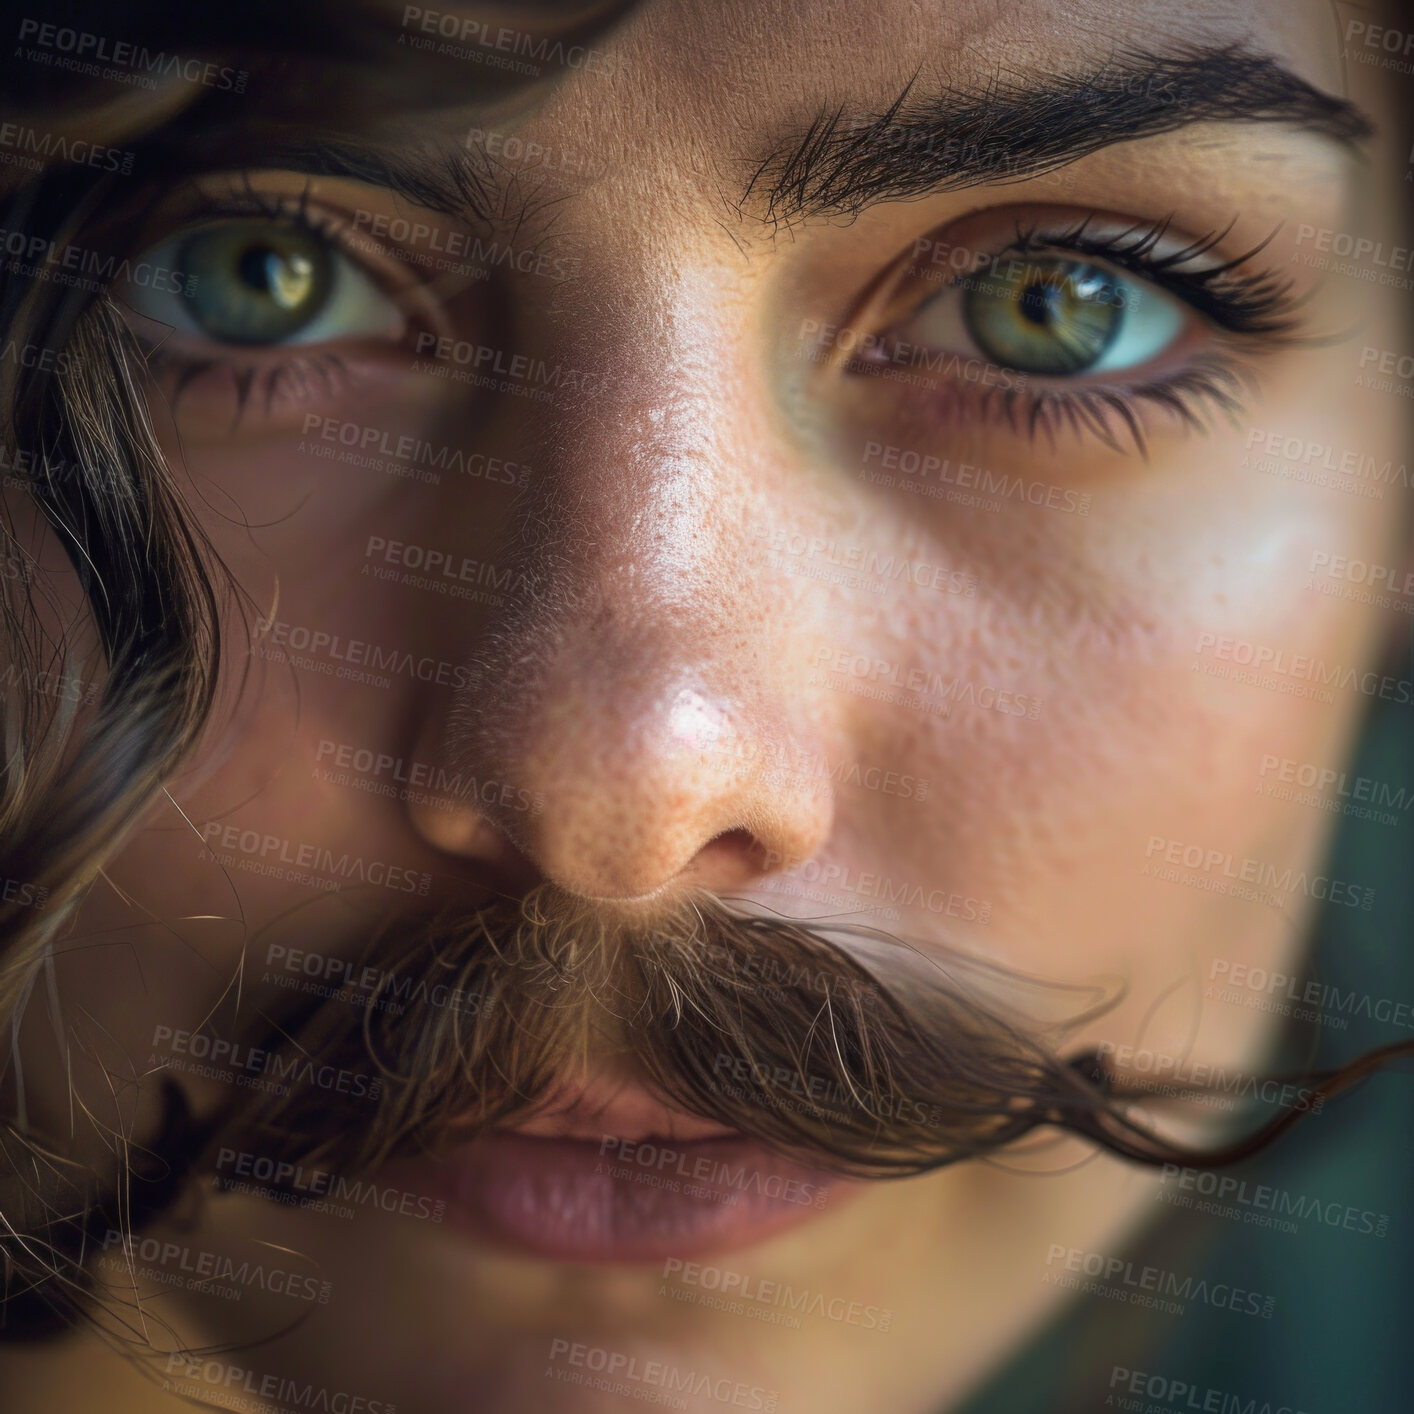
x,y
455,181
1018,128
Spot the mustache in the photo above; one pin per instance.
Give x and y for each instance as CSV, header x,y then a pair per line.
x,y
838,1046
772,1027
841,1047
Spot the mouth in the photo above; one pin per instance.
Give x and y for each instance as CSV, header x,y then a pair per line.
x,y
611,1174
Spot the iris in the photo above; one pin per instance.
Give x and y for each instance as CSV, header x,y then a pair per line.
x,y
1044,316
255,282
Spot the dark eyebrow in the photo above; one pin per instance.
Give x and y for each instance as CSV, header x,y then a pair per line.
x,y
460,182
1023,127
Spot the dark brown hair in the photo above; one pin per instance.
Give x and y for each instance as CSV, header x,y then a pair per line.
x,y
903,1072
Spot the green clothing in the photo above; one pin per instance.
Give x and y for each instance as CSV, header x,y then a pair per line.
x,y
1340,1338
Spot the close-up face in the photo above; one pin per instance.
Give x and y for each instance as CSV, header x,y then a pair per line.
x,y
792,602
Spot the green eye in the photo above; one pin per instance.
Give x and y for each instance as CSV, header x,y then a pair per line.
x,y
1044,316
1052,316
260,282
255,282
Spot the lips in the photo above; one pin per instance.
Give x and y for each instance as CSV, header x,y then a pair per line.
x,y
611,1105
611,1174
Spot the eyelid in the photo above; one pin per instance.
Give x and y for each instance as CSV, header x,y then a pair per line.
x,y
212,201
1196,270
1252,306
227,382
1235,314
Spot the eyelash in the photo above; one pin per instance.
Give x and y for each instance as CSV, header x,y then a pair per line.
x,y
1256,308
178,371
1259,303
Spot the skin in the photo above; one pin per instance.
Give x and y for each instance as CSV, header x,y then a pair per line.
x,y
675,656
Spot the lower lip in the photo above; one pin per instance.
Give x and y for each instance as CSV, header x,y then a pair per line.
x,y
572,1200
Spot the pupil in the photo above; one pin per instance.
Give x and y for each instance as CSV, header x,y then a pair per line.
x,y
1036,301
255,267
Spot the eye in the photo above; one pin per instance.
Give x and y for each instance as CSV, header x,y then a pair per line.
x,y
261,282
1051,316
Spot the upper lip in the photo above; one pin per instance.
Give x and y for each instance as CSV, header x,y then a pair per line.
x,y
608,1106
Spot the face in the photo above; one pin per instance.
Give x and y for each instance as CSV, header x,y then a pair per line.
x,y
963,564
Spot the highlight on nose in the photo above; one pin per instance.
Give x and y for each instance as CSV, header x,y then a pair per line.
x,y
637,785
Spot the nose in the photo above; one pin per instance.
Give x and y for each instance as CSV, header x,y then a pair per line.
x,y
617,773
643,722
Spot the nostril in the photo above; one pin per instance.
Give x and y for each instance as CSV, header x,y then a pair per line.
x,y
732,858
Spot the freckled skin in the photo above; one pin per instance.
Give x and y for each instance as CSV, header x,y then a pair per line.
x,y
675,660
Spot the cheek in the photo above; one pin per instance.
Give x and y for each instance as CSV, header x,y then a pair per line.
x,y
1259,661
1125,628
376,528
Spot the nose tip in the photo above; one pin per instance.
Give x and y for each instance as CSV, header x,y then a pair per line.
x,y
638,790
